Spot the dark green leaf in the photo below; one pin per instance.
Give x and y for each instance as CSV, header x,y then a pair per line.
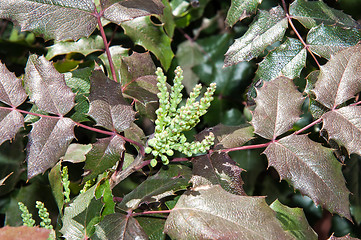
x,y
56,184
241,9
153,226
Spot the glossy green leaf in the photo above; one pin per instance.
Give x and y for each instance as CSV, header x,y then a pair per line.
x,y
103,155
241,9
164,183
294,221
312,169
24,232
152,37
278,107
119,226
217,169
268,28
84,46
326,41
288,60
167,19
312,13
339,78
213,213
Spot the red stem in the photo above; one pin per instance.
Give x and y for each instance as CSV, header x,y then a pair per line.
x,y
149,212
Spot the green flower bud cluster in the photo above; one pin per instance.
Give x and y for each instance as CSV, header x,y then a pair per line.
x,y
44,215
65,181
26,216
173,121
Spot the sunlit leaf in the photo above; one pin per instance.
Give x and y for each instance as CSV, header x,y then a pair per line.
x,y
164,183
294,221
84,46
76,152
119,226
104,192
10,122
312,13
46,86
241,9
107,105
213,213
347,237
312,169
339,78
343,125
24,232
217,169
48,141
288,60
278,107
117,53
103,155
326,41
152,37
268,28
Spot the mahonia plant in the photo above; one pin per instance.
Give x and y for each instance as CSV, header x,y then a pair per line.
x,y
172,121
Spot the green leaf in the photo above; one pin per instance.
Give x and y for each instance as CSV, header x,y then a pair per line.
x,y
213,213
76,153
278,107
167,19
312,169
152,37
46,86
338,80
241,9
48,141
343,125
217,169
119,226
312,13
24,232
107,105
268,28
288,60
104,192
81,216
294,221
164,183
56,184
153,226
326,41
103,155
84,46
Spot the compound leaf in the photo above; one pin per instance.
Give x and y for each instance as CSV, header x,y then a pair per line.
x,y
217,169
103,155
312,169
107,105
312,13
119,226
267,29
278,107
344,126
326,41
10,122
288,60
46,86
339,78
11,91
48,141
164,183
212,213
294,221
241,9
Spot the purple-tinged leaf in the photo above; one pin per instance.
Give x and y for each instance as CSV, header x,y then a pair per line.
x,y
344,126
48,142
46,86
127,10
212,213
217,169
312,169
119,226
347,237
163,184
278,108
293,220
228,136
241,9
24,232
339,78
104,154
267,29
10,122
107,105
11,91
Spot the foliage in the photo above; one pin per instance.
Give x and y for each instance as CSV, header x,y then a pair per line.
x,y
96,118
